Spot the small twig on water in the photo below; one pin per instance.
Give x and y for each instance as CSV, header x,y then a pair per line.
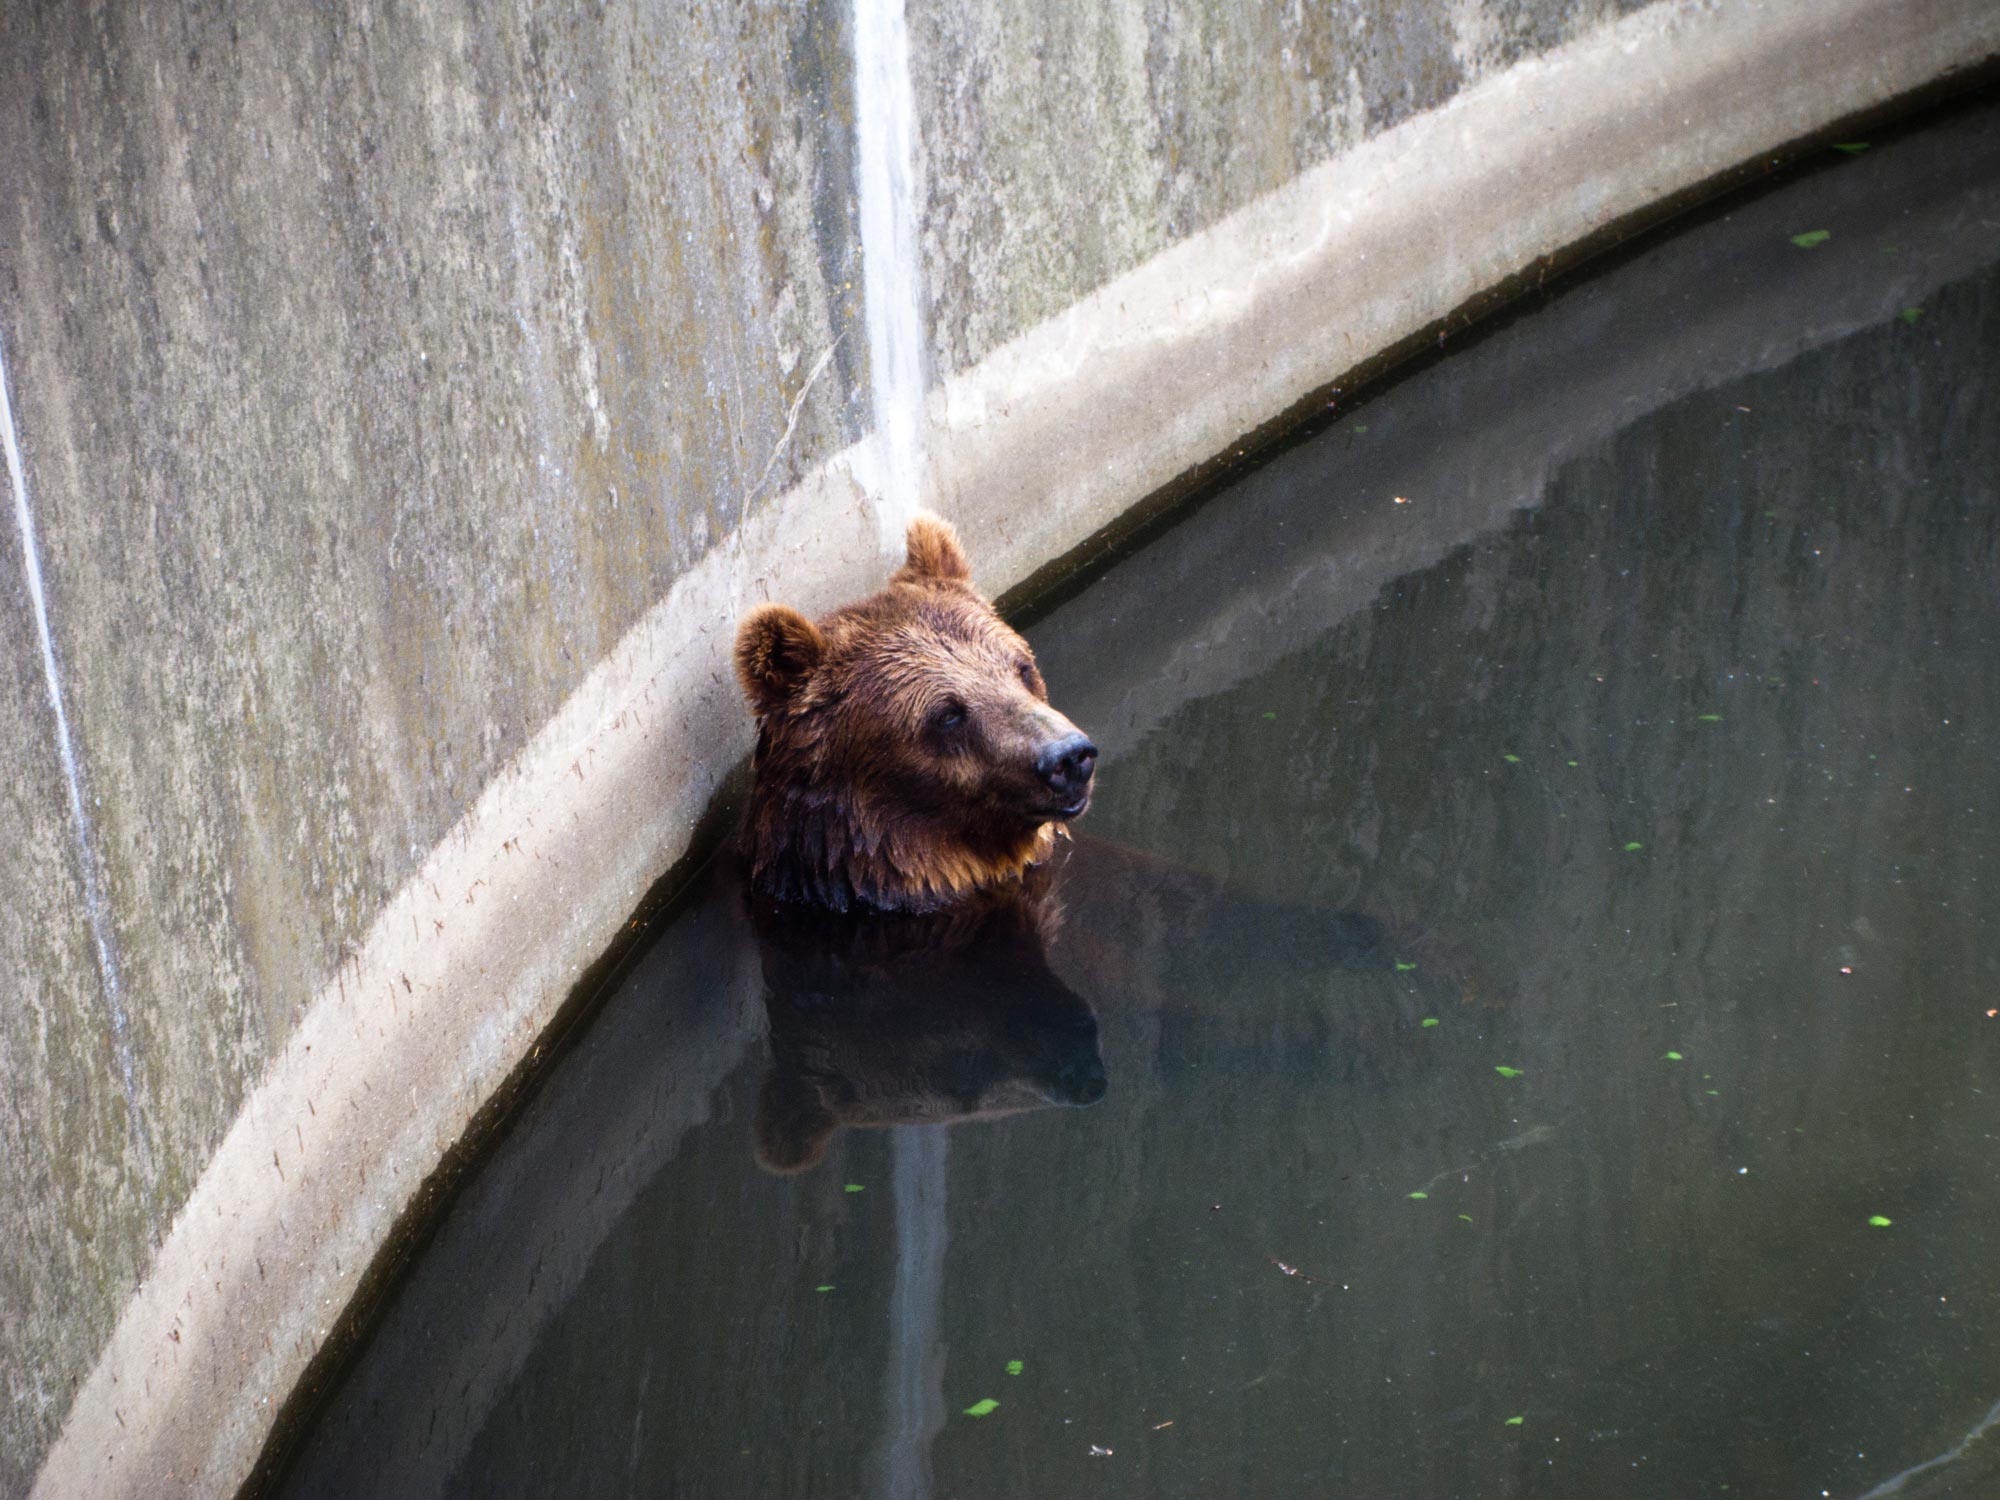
x,y
1295,1271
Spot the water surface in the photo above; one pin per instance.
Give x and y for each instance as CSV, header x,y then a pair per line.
x,y
1526,1031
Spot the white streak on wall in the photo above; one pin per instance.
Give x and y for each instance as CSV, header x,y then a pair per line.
x,y
95,909
892,278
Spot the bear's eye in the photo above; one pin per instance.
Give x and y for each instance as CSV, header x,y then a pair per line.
x,y
949,716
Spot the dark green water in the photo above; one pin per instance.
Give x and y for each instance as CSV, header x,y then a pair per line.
x,y
1648,745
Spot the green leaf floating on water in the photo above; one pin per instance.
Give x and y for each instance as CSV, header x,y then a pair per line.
x,y
1403,968
1910,314
1876,1221
982,1408
1512,760
1420,1193
825,1288
1852,148
1466,1217
1634,847
1428,1021
1671,1056
855,1187
1015,1367
1710,719
1812,238
1515,1421
1269,714
1506,1072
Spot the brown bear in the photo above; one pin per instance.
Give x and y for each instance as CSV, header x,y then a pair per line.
x,y
907,756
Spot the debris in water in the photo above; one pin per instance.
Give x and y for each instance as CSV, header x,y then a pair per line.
x,y
1515,1421
1876,1221
1506,1072
1015,1367
1097,1452
982,1407
1910,314
855,1187
1671,1056
1812,238
1634,847
1852,148
1420,1195
1158,1425
1295,1271
1433,1020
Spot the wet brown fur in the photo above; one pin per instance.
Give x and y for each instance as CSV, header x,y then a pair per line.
x,y
862,797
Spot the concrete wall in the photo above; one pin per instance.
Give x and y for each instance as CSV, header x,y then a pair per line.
x,y
405,401
374,368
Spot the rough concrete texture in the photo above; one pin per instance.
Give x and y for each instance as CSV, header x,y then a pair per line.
x,y
1066,146
375,368
377,372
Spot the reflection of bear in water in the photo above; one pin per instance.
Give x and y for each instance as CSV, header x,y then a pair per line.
x,y
896,1020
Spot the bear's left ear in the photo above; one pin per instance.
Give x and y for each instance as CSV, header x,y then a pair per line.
x,y
934,553
793,1124
777,649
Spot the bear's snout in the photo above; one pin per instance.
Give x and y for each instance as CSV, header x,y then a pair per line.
x,y
1065,766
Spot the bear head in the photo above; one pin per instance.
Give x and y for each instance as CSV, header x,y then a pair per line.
x,y
907,756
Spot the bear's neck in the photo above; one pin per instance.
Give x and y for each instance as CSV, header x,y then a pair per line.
x,y
813,845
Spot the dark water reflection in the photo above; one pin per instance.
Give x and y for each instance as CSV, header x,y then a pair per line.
x,y
1648,749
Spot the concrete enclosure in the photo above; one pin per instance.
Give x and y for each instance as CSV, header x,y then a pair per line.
x,y
401,402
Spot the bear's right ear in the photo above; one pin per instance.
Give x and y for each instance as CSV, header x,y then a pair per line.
x,y
934,552
777,649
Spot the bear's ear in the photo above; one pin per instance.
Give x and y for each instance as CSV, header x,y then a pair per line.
x,y
777,649
934,553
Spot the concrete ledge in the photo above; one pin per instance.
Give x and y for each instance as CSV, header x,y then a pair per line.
x,y
1034,451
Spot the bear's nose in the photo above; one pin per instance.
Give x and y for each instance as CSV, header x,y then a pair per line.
x,y
1065,766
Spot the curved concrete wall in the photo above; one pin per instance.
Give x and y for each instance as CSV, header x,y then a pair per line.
x,y
403,406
